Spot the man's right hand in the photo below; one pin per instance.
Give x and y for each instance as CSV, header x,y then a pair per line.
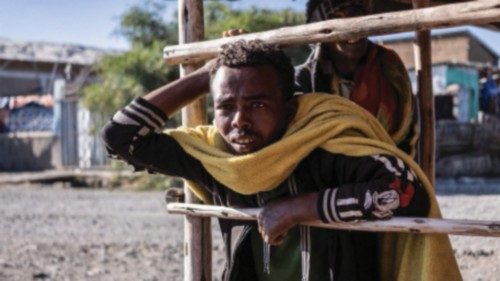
x,y
279,216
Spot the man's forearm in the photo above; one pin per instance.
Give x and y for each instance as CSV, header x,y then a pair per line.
x,y
303,207
173,96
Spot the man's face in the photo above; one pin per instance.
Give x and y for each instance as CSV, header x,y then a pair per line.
x,y
351,49
250,112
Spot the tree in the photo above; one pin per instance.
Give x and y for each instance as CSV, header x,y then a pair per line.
x,y
144,25
127,75
220,17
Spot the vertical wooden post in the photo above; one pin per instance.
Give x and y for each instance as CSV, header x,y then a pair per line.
x,y
423,69
197,231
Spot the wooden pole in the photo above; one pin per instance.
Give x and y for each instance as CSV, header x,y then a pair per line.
x,y
197,230
400,224
473,12
423,69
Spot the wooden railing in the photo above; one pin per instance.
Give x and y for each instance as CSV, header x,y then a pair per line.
x,y
399,224
474,12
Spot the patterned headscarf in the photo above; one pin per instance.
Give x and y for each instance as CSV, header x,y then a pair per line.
x,y
319,10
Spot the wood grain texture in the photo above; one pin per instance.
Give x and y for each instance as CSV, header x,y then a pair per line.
x,y
197,230
427,140
474,12
399,224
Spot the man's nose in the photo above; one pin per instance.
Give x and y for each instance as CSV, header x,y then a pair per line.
x,y
241,120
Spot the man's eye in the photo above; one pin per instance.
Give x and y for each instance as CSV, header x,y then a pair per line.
x,y
224,107
257,104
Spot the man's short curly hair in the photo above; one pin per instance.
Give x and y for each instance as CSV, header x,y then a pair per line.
x,y
258,53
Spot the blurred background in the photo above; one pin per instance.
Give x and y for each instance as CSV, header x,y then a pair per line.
x,y
67,212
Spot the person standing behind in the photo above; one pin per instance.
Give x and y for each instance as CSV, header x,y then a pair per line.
x,y
368,74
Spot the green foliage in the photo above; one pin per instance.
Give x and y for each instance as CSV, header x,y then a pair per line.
x,y
220,17
144,26
134,73
125,76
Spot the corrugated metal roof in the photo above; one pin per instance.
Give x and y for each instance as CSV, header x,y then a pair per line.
x,y
49,52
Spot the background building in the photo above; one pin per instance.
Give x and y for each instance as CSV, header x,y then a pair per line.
x,y
467,101
42,125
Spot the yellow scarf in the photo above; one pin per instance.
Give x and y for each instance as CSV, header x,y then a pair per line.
x,y
338,126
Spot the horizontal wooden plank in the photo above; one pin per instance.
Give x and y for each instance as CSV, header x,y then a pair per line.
x,y
405,225
474,12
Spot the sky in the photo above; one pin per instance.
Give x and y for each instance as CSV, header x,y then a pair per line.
x,y
93,22
86,22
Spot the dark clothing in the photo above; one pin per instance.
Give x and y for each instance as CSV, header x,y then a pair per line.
x,y
350,188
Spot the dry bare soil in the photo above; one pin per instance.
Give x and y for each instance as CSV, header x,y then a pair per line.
x,y
56,233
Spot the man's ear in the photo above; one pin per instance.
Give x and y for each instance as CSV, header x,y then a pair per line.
x,y
291,109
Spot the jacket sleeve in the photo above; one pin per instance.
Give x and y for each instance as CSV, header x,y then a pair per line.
x,y
372,187
134,135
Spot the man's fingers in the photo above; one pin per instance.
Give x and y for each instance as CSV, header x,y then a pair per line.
x,y
260,218
280,239
239,31
277,239
233,32
260,223
261,231
271,228
275,234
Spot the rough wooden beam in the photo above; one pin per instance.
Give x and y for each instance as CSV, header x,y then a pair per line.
x,y
431,3
427,141
197,231
475,12
405,225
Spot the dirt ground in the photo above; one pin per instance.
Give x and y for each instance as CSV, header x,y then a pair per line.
x,y
56,233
